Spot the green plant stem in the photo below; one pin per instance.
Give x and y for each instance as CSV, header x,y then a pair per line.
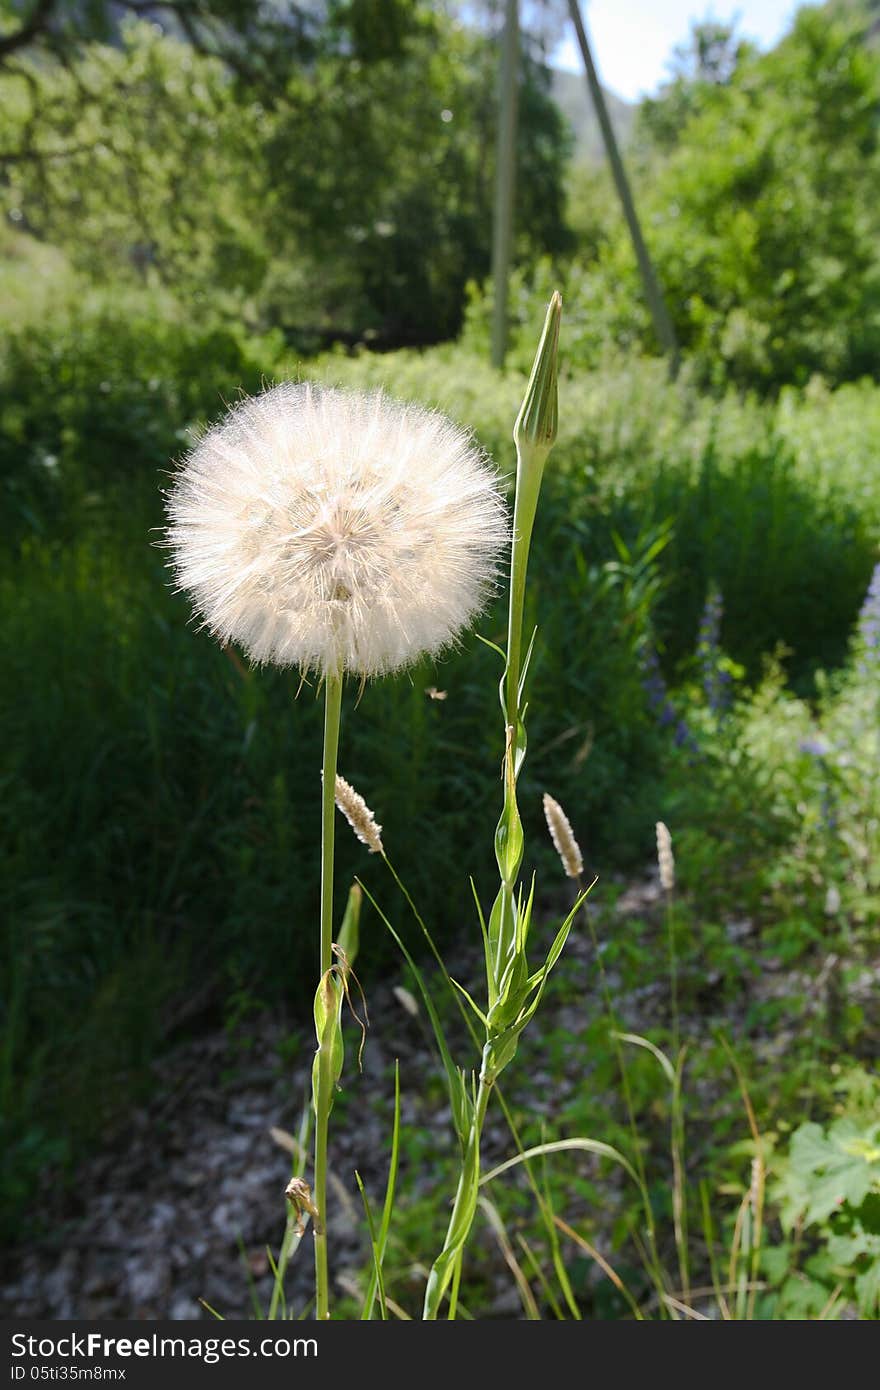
x,y
673,969
530,465
453,1292
463,1209
332,718
525,507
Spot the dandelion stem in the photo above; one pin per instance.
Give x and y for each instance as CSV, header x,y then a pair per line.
x,y
332,717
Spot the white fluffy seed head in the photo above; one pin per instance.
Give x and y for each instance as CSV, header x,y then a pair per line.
x,y
335,530
665,860
562,835
358,815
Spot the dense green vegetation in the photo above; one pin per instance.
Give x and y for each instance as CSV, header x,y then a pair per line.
x,y
176,234
350,202
756,177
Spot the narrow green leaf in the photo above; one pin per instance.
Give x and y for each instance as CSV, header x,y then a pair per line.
x,y
486,946
525,670
593,1146
477,1010
486,643
458,1100
377,1263
385,1225
638,1041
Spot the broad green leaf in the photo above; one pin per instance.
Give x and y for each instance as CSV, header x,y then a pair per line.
x,y
829,1171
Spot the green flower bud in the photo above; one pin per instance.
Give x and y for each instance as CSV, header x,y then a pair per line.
x,y
538,419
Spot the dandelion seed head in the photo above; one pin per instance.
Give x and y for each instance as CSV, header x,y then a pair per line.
x,y
335,530
563,839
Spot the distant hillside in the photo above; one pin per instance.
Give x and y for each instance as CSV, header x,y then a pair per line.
x,y
573,99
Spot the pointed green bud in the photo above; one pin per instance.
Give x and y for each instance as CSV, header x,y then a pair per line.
x,y
537,421
349,932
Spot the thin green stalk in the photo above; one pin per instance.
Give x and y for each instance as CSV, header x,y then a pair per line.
x,y
679,1197
293,1228
463,1209
453,1293
332,719
525,507
673,969
323,1091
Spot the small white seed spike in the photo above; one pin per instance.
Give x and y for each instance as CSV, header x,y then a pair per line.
x,y
664,858
359,816
563,839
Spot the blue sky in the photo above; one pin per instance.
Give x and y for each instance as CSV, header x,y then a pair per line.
x,y
633,39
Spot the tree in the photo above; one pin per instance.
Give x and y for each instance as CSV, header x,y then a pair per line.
x,y
352,200
764,216
709,59
244,33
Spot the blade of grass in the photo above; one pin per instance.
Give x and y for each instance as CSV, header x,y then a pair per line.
x,y
499,1231
593,1146
259,1315
603,1264
709,1238
293,1230
385,1224
541,1277
377,1263
457,1093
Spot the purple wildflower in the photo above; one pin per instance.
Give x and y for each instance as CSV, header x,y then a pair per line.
x,y
716,682
869,626
659,702
816,746
819,748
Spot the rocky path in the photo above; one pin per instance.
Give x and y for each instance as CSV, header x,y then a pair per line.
x,y
184,1201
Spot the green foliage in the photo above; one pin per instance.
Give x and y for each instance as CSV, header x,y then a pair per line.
x,y
352,201
709,59
761,225
754,184
827,1171
827,1187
